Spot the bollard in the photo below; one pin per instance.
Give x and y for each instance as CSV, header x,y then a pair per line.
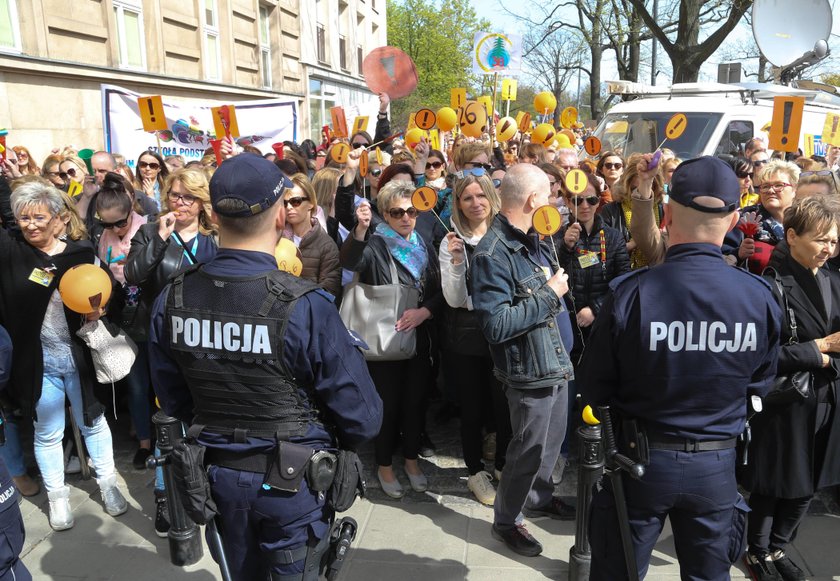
x,y
590,469
184,535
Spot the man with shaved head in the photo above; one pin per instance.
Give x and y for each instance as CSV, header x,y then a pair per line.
x,y
517,290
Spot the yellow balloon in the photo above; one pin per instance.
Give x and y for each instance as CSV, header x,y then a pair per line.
x,y
413,136
506,128
447,118
545,103
85,288
589,417
543,134
288,257
563,141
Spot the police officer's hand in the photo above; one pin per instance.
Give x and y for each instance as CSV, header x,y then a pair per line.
x,y
585,317
166,225
572,235
559,282
456,247
363,217
412,318
747,248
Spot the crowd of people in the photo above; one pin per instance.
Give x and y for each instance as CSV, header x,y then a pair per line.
x,y
479,336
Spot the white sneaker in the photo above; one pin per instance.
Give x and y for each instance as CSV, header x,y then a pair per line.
x,y
74,466
115,503
61,516
479,484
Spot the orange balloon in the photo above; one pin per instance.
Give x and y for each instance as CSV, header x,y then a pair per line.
x,y
447,118
85,288
543,134
413,137
288,257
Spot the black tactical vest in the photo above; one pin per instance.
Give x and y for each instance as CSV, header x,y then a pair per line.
x,y
227,335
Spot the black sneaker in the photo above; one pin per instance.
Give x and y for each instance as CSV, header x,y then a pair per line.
x,y
788,570
518,540
161,515
760,567
556,509
140,457
427,448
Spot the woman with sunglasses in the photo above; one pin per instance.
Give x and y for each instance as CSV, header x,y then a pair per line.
x,y
26,165
151,175
465,350
319,253
744,171
610,167
119,223
182,236
50,169
401,384
72,168
822,182
776,194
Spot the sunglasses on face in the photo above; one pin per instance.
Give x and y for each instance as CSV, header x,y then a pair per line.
x,y
118,224
295,202
484,166
497,183
609,165
822,172
591,200
148,164
398,213
358,145
70,172
744,174
477,172
376,172
434,164
760,162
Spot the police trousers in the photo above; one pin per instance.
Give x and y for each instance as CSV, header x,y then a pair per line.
x,y
12,536
697,491
266,532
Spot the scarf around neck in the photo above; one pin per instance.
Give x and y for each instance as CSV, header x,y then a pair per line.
x,y
119,247
410,253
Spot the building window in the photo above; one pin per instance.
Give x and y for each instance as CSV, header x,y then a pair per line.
x,y
342,52
210,32
360,56
130,37
322,44
265,46
9,26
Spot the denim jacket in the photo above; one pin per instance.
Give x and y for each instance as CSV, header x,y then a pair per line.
x,y
518,311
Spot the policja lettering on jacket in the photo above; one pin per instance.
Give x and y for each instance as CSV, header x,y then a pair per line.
x,y
232,335
712,336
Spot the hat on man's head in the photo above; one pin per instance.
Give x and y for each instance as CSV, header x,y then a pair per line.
x,y
251,179
705,176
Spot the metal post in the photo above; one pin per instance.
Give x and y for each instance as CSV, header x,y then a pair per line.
x,y
590,469
653,46
184,539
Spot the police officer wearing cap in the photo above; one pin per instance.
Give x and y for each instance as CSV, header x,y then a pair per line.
x,y
677,351
261,366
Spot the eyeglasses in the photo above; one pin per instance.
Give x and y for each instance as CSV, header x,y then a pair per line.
x,y
497,183
376,172
185,199
485,166
295,202
398,213
39,221
70,172
148,164
742,174
118,224
760,162
774,187
613,165
434,164
591,200
358,145
822,172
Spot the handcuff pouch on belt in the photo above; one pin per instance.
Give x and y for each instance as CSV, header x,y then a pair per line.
x,y
291,462
633,441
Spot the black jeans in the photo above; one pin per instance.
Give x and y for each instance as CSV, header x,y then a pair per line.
x,y
773,522
476,386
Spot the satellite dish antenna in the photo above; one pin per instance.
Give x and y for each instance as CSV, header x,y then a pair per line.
x,y
785,31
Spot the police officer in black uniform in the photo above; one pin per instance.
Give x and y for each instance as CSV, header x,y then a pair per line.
x,y
677,351
259,362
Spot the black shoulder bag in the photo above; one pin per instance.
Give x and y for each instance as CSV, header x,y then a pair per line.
x,y
798,385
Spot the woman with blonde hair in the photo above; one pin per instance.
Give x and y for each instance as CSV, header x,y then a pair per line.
x,y
325,183
72,168
26,165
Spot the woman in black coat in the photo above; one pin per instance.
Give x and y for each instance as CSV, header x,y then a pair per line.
x,y
795,446
401,384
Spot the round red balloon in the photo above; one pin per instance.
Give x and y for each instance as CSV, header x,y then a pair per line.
x,y
387,69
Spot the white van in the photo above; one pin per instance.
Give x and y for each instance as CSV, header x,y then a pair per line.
x,y
721,118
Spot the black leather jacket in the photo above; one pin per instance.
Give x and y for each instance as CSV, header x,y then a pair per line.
x,y
152,262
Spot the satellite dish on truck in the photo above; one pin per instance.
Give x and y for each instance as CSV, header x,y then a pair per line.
x,y
792,35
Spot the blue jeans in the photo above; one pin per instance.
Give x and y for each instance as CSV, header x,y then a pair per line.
x,y
61,379
137,385
11,451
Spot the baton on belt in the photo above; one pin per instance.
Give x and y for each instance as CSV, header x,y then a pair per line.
x,y
218,548
615,464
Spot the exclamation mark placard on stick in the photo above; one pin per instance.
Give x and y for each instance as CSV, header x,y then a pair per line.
x,y
339,122
831,129
786,123
151,112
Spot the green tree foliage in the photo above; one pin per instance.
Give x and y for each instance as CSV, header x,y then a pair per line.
x,y
438,36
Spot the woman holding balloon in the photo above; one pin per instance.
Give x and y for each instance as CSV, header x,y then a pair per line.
x,y
52,363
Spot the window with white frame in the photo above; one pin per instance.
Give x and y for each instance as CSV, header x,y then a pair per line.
x,y
130,37
210,38
265,46
9,26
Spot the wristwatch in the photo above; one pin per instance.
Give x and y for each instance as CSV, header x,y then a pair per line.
x,y
381,115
